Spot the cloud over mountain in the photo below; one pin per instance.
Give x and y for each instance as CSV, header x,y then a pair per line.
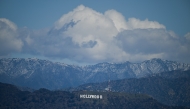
x,y
85,35
150,43
9,40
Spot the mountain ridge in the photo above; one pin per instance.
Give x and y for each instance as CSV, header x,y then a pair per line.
x,y
167,89
37,73
12,97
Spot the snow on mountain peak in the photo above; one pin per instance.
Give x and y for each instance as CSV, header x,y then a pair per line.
x,y
31,70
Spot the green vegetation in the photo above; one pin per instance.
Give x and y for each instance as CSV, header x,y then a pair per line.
x,y
169,88
13,98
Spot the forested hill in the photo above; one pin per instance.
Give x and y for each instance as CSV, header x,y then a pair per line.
x,y
171,88
13,98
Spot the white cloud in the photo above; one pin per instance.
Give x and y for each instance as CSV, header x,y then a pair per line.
x,y
85,35
28,40
134,23
187,36
9,41
144,44
90,26
101,29
118,19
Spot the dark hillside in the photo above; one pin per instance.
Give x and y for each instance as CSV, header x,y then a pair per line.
x,y
167,89
12,98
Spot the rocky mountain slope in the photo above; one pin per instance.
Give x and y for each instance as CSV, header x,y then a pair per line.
x,y
36,73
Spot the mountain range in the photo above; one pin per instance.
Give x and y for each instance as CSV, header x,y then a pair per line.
x,y
36,73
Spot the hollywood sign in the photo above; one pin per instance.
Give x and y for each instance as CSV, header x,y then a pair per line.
x,y
91,96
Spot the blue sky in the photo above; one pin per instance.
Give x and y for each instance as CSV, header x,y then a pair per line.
x,y
136,30
36,14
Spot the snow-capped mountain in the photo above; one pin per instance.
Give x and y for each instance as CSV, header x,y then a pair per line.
x,y
36,73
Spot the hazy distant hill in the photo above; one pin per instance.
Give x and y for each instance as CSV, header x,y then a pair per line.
x,y
36,73
12,98
171,88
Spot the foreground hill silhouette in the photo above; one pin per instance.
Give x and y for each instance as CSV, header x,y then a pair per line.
x,y
170,88
12,98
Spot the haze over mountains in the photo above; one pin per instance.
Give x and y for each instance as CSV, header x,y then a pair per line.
x,y
36,73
